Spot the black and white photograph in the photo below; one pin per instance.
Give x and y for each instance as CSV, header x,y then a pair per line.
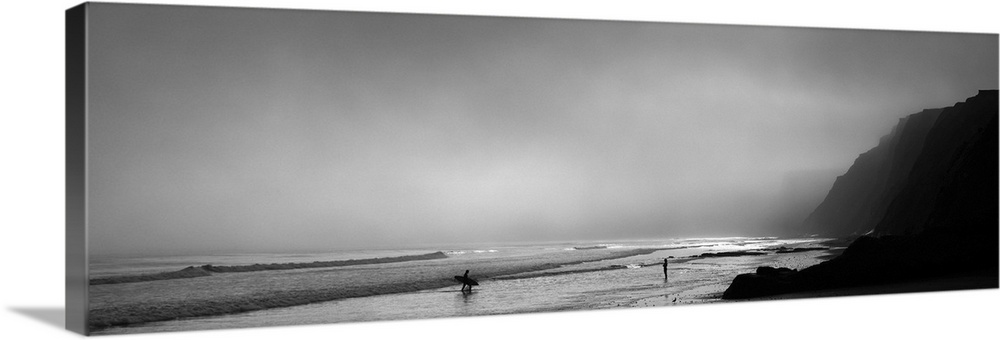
x,y
266,168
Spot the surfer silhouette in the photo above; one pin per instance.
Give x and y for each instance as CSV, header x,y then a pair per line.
x,y
466,281
664,269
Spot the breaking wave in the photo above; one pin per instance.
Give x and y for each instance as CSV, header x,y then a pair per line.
x,y
206,270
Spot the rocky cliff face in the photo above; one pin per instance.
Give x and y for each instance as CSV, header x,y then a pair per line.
x,y
927,195
894,187
955,166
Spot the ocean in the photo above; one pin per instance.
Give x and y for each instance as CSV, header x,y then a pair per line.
x,y
513,278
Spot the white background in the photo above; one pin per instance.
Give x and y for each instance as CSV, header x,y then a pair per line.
x,y
32,185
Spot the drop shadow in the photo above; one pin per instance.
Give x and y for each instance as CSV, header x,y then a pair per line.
x,y
53,316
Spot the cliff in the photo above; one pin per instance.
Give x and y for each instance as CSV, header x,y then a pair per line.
x,y
892,188
859,198
956,166
926,196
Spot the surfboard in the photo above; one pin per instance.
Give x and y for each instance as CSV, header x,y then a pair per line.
x,y
466,280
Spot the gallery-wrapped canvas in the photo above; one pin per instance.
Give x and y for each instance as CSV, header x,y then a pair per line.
x,y
238,167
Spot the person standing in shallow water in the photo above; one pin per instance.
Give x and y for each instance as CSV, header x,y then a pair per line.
x,y
466,276
664,269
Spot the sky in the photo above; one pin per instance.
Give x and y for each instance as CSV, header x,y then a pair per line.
x,y
240,130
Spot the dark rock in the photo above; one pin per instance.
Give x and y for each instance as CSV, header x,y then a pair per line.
x,y
766,281
732,254
771,271
784,250
753,285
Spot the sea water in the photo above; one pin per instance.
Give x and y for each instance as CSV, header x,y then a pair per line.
x,y
513,279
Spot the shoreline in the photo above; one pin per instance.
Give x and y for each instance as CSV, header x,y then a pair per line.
x,y
124,305
796,255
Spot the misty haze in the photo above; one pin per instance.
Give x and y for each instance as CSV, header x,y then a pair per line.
x,y
217,136
297,130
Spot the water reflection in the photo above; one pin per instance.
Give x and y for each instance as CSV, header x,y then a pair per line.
x,y
468,296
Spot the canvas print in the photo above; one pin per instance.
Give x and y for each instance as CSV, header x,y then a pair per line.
x,y
236,167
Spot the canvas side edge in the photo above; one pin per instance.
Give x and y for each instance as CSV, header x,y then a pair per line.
x,y
76,169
